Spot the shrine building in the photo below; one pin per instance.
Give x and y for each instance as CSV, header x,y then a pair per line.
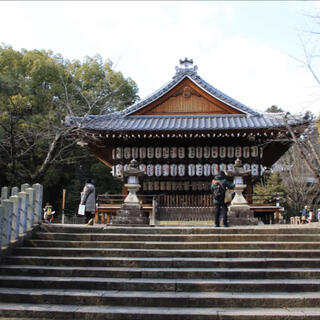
x,y
182,135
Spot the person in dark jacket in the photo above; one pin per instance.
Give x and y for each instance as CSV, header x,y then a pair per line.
x,y
88,198
221,208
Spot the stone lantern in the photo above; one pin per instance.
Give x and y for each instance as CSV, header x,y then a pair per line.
x,y
239,210
130,211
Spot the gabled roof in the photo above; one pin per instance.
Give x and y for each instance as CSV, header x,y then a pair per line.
x,y
190,73
135,119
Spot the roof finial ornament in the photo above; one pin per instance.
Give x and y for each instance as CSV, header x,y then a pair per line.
x,y
186,68
187,63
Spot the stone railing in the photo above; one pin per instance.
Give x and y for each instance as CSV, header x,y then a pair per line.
x,y
20,212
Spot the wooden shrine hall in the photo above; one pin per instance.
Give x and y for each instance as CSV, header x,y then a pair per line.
x,y
182,135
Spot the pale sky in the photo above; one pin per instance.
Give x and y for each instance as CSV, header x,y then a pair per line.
x,y
245,49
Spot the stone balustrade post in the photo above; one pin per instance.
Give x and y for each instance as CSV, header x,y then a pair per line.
x,y
38,202
15,221
23,211
30,208
14,191
7,217
4,193
25,186
1,224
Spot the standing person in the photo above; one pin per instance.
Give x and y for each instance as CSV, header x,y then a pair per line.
x,y
304,214
218,186
88,198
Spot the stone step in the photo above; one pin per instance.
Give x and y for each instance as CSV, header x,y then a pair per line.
x,y
174,245
164,299
173,285
286,229
166,262
164,273
45,311
179,238
159,253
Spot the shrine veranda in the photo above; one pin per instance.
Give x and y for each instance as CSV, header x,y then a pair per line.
x,y
182,136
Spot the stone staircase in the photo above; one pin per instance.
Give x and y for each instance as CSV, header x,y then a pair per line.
x,y
154,273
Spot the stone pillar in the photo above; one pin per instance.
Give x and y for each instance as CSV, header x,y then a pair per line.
x,y
38,202
6,231
14,191
4,193
15,221
30,211
25,186
23,211
152,217
1,224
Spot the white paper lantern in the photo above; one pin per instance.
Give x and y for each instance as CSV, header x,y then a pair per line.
x,y
181,153
206,152
165,152
156,185
126,167
191,152
150,185
119,168
113,171
158,152
165,170
143,167
181,170
254,151
222,152
214,169
246,152
199,152
230,152
206,169
191,169
222,167
173,152
162,185
214,152
157,170
150,152
261,152
127,153
168,186
145,185
119,153
262,169
150,170
199,169
173,170
246,167
142,153
230,166
113,153
255,169
174,185
238,152
135,152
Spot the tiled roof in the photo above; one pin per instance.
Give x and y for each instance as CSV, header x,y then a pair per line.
x,y
125,121
190,73
181,123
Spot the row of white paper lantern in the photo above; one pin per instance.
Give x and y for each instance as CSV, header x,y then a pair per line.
x,y
182,170
176,185
182,152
